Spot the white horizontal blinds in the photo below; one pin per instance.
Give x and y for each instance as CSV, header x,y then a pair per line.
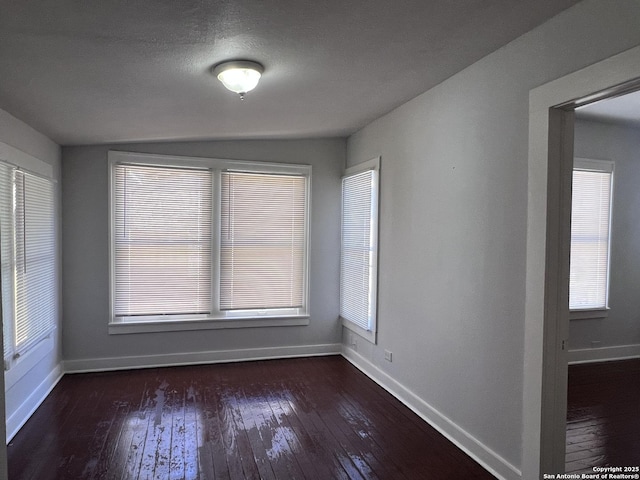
x,y
35,278
262,241
357,275
7,255
162,241
590,220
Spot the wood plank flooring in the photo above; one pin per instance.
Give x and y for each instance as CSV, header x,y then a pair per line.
x,y
603,415
311,418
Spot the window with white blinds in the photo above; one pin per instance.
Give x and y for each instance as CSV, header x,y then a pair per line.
x,y
262,241
162,241
27,226
198,239
590,234
8,261
359,252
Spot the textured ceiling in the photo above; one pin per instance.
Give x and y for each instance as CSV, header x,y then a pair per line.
x,y
130,70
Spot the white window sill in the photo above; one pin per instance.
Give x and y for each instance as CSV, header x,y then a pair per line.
x,y
117,327
588,313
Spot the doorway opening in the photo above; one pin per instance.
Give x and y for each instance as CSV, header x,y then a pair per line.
x,y
551,152
604,328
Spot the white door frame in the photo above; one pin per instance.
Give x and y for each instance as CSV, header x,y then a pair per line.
x,y
548,214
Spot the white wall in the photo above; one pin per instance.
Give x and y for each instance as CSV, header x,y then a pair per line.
x,y
86,342
621,328
26,393
453,232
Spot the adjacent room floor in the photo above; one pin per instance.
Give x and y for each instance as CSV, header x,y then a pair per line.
x,y
603,416
311,418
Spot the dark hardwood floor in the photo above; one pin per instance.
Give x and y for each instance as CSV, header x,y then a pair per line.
x,y
312,418
603,416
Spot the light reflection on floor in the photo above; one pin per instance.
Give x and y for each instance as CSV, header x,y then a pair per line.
x,y
259,419
146,436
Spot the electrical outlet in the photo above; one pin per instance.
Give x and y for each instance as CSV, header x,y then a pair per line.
x,y
388,355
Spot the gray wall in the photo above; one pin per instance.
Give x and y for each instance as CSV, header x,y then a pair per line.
x,y
26,393
620,145
86,257
453,228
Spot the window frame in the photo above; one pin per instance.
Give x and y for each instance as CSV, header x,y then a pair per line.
x,y
599,166
17,366
371,333
217,319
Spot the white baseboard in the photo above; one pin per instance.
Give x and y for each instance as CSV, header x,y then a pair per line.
x,y
604,354
482,454
195,358
31,403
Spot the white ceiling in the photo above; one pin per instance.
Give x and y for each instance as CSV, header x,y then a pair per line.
x,y
624,109
132,70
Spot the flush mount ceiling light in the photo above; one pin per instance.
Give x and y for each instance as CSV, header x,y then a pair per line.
x,y
239,76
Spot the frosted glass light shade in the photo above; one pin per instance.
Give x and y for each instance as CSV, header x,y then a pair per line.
x,y
239,77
